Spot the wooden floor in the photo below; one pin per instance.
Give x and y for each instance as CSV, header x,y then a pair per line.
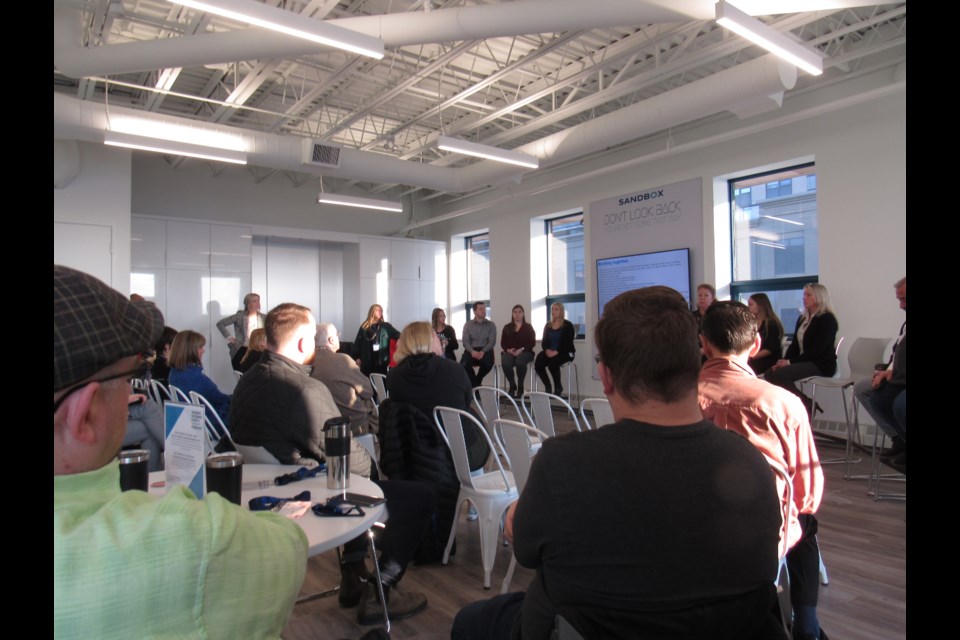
x,y
863,543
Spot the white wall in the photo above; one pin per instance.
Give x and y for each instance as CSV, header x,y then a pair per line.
x,y
860,153
93,210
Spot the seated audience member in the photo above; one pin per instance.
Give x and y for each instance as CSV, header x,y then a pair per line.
x,y
256,345
698,504
517,341
244,322
186,372
479,339
776,423
351,390
278,406
557,348
409,445
145,429
134,565
884,396
160,370
813,350
771,333
445,333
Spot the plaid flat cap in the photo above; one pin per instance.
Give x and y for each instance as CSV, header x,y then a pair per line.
x,y
95,325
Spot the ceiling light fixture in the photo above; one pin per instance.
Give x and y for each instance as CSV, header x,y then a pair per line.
x,y
363,203
519,158
735,20
133,141
291,24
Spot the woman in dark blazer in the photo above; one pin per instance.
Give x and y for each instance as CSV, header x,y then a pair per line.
x,y
371,347
813,350
557,345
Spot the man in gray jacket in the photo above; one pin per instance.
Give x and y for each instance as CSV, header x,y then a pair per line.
x,y
351,390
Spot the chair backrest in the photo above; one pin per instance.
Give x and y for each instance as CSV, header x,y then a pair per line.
x,y
487,400
451,424
600,408
159,392
539,409
379,382
179,396
237,374
217,431
864,354
785,489
517,439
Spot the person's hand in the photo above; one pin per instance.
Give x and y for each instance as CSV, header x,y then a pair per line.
x,y
508,522
551,353
358,362
879,377
477,355
779,364
135,398
231,341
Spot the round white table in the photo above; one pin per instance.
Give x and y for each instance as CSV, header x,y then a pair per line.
x,y
323,533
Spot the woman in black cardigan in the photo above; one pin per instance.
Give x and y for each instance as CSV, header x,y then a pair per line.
x,y
813,350
557,345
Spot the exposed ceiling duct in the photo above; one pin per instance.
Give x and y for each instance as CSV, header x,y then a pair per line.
x,y
765,76
73,59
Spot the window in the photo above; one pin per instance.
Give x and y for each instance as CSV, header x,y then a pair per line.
x,y
478,271
565,268
773,218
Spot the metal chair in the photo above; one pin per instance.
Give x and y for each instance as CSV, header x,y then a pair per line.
x,y
491,493
876,471
218,434
159,393
599,408
517,439
176,395
488,401
863,355
540,411
782,580
379,382
573,380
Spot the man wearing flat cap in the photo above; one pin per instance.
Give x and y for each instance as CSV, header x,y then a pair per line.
x,y
130,564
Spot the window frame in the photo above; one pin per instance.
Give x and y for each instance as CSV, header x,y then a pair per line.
x,y
468,247
564,298
787,283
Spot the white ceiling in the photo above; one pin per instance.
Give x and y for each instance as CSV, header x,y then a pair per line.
x,y
497,88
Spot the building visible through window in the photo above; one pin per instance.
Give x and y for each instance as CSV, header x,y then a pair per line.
x,y
478,271
776,248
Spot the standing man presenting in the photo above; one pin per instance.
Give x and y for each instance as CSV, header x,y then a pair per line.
x,y
697,505
885,395
134,565
479,339
775,422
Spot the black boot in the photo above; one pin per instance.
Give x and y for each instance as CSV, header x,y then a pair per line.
x,y
399,605
353,576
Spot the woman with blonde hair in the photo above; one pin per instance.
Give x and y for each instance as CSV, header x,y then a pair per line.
x,y
255,346
423,377
813,350
557,345
186,371
771,333
371,347
244,322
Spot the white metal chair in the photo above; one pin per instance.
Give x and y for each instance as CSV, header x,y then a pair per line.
x,y
159,393
782,580
573,380
177,395
488,401
539,409
599,408
517,439
379,382
219,435
237,374
491,493
863,355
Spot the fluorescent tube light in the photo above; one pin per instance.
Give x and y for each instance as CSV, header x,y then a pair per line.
x,y
363,203
799,224
447,143
132,141
767,37
769,244
291,24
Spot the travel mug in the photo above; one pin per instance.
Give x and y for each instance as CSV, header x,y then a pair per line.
x,y
336,445
225,475
134,469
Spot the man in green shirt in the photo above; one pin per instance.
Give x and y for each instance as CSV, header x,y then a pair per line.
x,y
129,564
